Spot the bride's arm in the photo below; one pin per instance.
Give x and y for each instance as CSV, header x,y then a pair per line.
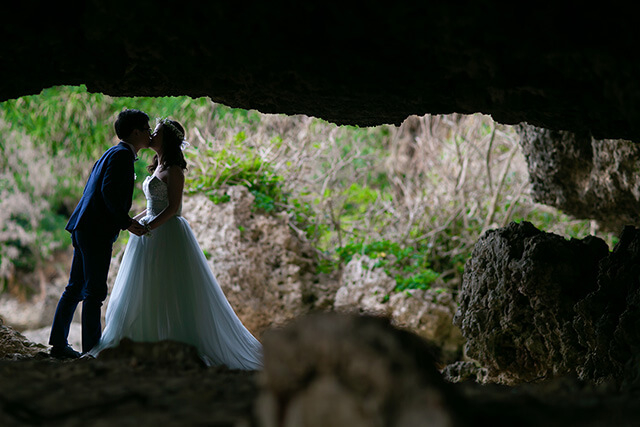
x,y
175,184
140,215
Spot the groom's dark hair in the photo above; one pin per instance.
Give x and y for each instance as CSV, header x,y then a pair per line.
x,y
128,121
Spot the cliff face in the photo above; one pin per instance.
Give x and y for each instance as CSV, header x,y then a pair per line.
x,y
554,66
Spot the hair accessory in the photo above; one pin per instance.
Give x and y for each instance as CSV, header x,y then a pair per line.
x,y
166,122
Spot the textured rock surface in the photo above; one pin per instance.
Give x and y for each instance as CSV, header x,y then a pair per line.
x,y
364,287
517,301
461,371
608,320
266,271
536,306
553,65
583,176
428,313
14,345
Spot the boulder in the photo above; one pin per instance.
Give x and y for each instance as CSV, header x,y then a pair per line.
x,y
265,270
518,297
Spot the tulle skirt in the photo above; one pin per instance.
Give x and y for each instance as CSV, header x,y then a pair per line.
x,y
165,290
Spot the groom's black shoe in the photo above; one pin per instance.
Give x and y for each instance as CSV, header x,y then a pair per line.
x,y
64,352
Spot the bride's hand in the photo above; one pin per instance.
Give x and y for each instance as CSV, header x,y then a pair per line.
x,y
136,228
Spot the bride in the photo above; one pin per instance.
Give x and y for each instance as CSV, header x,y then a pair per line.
x,y
165,289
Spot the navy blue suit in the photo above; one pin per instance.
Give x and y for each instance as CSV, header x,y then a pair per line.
x,y
94,225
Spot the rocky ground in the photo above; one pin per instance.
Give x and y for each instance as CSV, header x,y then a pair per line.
x,y
92,392
319,371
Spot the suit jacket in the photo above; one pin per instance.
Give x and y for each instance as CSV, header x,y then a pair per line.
x,y
107,196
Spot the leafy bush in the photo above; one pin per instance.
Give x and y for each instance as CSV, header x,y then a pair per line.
x,y
226,167
409,266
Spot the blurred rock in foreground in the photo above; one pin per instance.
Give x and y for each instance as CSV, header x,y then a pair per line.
x,y
346,370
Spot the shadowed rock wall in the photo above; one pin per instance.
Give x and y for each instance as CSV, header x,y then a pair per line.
x,y
536,306
556,66
583,176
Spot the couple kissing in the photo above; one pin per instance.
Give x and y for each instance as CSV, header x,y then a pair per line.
x,y
164,288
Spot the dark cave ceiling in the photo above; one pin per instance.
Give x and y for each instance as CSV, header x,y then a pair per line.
x,y
563,66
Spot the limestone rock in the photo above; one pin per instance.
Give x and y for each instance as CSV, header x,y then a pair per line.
x,y
428,313
517,301
263,267
363,287
338,370
461,371
536,306
585,177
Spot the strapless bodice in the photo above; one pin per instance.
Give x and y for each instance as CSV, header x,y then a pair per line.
x,y
157,194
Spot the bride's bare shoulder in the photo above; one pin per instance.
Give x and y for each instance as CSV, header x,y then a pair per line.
x,y
175,170
170,171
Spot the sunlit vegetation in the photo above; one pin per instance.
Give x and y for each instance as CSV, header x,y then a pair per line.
x,y
415,197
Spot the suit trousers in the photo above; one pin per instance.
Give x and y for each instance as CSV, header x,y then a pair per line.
x,y
87,283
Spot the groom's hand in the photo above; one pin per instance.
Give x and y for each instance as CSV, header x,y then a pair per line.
x,y
136,228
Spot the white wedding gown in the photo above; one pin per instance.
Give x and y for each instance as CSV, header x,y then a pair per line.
x,y
165,290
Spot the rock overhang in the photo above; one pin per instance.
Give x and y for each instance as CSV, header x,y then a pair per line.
x,y
557,66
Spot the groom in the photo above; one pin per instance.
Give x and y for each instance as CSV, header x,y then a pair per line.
x,y
94,225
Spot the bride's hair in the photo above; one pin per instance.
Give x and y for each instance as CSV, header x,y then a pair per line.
x,y
172,140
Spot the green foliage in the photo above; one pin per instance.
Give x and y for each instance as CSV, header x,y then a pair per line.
x,y
52,226
415,200
235,165
408,265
